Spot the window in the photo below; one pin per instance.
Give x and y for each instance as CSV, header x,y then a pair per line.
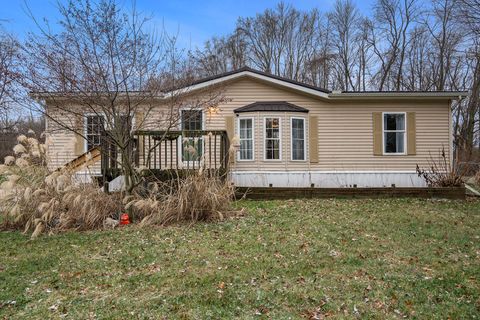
x,y
394,133
245,127
192,144
298,138
192,120
93,132
272,138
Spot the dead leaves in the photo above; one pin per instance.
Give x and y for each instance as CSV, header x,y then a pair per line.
x,y
318,313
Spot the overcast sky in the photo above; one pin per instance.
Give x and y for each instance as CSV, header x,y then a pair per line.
x,y
194,21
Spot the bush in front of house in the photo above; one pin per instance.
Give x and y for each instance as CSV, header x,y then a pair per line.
x,y
38,201
35,200
440,172
198,196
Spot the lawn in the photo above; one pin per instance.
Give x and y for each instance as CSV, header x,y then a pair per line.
x,y
342,258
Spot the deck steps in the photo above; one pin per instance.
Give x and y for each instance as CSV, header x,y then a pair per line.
x,y
84,160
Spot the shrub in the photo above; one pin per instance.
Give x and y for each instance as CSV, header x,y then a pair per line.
x,y
37,201
440,173
196,197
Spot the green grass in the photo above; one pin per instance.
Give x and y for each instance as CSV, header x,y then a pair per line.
x,y
283,259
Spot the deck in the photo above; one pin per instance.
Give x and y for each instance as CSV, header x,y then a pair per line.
x,y
162,152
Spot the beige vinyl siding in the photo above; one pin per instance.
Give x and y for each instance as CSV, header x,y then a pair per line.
x,y
61,142
345,130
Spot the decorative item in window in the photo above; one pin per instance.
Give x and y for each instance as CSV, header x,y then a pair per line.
x,y
192,145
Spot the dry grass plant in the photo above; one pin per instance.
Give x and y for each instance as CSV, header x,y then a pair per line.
x,y
39,201
440,172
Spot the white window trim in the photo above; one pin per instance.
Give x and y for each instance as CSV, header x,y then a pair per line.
x,y
85,116
280,119
404,134
100,114
180,141
304,139
253,138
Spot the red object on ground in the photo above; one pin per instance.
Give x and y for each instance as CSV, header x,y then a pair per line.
x,y
124,219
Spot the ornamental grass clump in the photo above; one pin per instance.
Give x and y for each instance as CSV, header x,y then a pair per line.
x,y
199,196
38,201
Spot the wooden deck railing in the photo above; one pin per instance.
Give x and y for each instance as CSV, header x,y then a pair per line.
x,y
170,150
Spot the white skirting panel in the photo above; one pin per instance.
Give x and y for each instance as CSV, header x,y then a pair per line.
x,y
326,179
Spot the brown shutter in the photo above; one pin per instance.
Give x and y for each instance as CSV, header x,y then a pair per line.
x,y
411,134
230,127
377,134
313,138
79,140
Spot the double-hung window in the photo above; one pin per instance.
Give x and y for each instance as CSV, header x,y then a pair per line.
x,y
93,130
272,139
298,138
394,125
245,126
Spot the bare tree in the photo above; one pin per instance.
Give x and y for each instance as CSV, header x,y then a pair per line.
x,y
446,38
320,67
344,20
389,39
9,80
220,55
260,34
364,54
469,16
103,62
281,41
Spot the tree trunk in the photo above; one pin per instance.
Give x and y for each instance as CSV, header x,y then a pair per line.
x,y
473,109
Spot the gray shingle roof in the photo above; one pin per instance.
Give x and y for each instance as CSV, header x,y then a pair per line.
x,y
272,106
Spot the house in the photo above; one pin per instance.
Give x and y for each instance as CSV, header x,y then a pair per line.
x,y
286,134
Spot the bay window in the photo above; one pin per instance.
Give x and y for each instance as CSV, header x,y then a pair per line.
x,y
272,139
245,126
